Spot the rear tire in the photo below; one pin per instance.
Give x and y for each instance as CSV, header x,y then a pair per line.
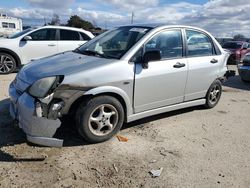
x,y
7,63
213,94
100,118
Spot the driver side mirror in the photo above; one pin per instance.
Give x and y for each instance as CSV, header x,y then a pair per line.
x,y
26,38
152,55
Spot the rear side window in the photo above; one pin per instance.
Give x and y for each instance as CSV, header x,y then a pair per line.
x,y
43,34
169,43
84,36
198,44
69,35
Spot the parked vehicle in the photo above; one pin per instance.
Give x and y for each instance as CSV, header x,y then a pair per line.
x,y
9,25
123,75
244,68
224,40
32,44
237,49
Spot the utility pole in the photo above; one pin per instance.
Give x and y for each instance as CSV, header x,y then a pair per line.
x,y
132,18
45,23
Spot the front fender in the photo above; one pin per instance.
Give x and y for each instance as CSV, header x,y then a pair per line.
x,y
115,90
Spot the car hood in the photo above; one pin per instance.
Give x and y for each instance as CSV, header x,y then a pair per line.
x,y
60,64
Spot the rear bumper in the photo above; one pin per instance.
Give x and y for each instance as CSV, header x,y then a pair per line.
x,y
244,72
39,130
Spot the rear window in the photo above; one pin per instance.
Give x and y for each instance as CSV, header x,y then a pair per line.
x,y
69,35
232,45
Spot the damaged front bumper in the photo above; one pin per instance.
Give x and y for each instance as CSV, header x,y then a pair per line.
x,y
39,130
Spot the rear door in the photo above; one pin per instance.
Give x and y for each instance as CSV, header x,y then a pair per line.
x,y
42,44
69,40
163,83
204,64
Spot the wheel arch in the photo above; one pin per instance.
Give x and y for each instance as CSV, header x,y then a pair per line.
x,y
15,56
115,92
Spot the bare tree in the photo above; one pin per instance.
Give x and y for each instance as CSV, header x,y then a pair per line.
x,y
55,20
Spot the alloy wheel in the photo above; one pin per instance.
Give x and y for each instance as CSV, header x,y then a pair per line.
x,y
214,94
103,120
6,63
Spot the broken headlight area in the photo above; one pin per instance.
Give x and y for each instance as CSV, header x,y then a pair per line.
x,y
50,111
45,86
43,92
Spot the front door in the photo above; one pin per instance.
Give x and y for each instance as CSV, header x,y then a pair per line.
x,y
163,83
43,43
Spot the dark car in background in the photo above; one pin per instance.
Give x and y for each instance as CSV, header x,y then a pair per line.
x,y
224,40
244,68
237,49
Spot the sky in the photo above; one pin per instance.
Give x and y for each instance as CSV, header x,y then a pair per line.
x,y
223,18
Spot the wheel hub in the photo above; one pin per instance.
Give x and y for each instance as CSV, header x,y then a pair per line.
x,y
103,119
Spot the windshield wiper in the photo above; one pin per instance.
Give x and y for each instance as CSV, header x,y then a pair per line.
x,y
94,53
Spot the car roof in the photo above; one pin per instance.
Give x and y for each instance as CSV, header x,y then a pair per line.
x,y
63,27
163,26
67,28
155,25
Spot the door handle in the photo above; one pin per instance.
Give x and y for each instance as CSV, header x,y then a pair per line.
x,y
51,45
214,61
179,65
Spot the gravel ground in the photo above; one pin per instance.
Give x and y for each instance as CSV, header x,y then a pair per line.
x,y
196,148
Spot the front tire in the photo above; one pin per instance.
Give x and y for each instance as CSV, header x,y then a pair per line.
x,y
213,94
100,118
7,63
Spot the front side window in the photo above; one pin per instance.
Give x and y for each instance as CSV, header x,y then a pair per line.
x,y
114,43
69,35
169,43
43,34
198,44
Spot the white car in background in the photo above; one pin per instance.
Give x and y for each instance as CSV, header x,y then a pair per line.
x,y
32,44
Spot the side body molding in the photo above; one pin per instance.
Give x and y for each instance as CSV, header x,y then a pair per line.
x,y
115,90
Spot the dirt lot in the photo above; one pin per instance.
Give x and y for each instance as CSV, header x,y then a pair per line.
x,y
195,147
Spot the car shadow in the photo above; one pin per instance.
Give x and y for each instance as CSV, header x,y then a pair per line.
x,y
71,137
11,135
236,83
161,116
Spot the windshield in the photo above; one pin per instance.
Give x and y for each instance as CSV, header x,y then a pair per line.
x,y
16,35
114,43
232,45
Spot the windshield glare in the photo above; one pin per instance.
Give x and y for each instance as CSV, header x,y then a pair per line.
x,y
232,45
16,35
115,43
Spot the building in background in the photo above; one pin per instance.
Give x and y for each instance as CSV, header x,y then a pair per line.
x,y
9,25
